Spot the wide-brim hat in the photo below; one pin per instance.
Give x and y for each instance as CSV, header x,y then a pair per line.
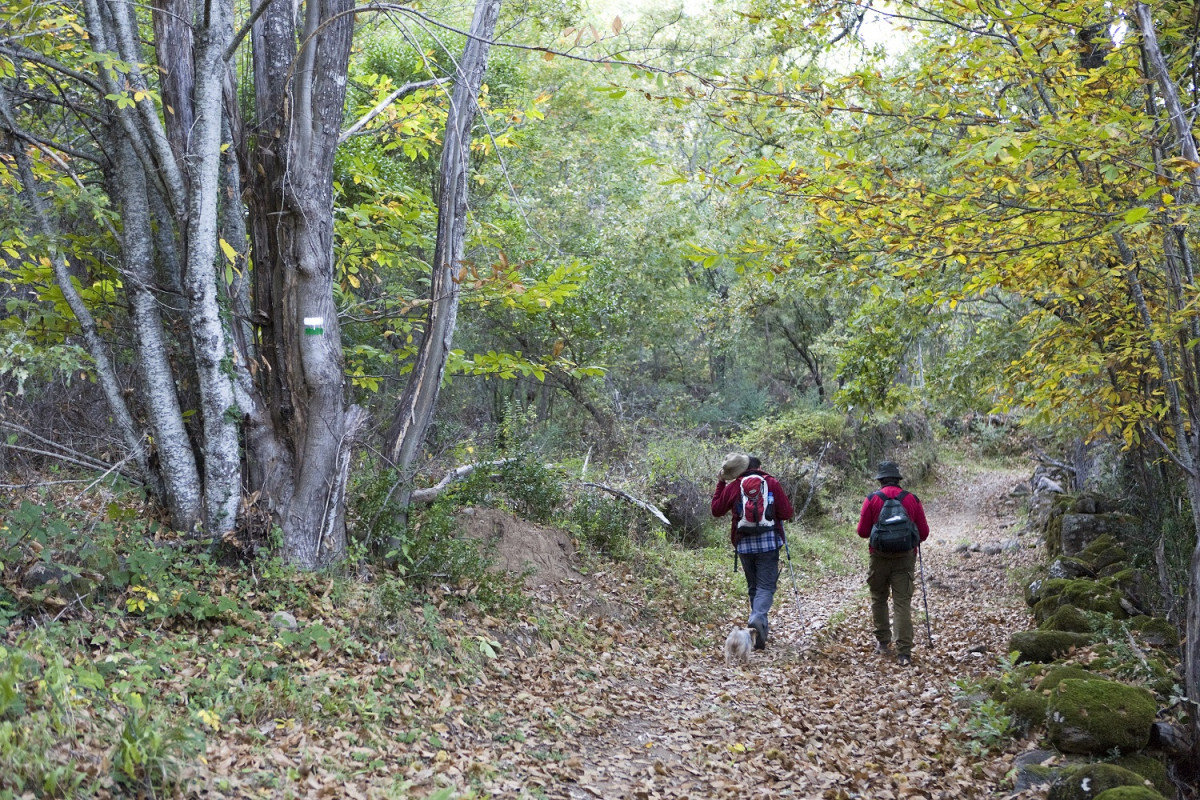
x,y
735,464
888,469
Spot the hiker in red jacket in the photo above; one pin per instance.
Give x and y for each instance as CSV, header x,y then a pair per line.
x,y
892,571
757,547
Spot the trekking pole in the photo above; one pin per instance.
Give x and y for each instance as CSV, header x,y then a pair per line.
x,y
792,573
925,597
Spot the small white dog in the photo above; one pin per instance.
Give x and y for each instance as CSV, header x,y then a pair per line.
x,y
737,646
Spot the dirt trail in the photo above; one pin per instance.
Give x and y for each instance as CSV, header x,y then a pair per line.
x,y
818,714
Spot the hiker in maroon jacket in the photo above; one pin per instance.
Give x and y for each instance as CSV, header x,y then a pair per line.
x,y
892,571
758,550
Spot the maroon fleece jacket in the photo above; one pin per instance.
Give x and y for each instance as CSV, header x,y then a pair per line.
x,y
726,496
874,504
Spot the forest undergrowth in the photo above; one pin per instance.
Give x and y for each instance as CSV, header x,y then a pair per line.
x,y
200,679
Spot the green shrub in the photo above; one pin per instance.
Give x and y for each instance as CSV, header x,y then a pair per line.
x,y
985,725
147,754
604,524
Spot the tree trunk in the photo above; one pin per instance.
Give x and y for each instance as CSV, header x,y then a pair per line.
x,y
105,373
177,462
1185,455
299,95
220,418
415,409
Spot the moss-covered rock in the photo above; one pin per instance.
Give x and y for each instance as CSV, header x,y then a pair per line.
x,y
1129,793
1045,646
1080,532
1058,674
1067,618
1052,532
1087,595
1155,631
1096,716
1092,503
1098,545
1042,588
1108,559
1149,768
1069,568
1090,780
1027,707
1109,570
1034,775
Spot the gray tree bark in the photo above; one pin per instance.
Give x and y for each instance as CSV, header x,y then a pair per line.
x,y
299,96
180,477
415,410
95,346
221,419
1184,453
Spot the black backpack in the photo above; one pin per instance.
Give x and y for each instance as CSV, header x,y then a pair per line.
x,y
894,532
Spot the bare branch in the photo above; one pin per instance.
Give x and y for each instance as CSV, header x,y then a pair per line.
x,y
406,89
631,499
428,495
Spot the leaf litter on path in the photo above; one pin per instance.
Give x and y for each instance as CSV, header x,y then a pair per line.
x,y
648,710
817,714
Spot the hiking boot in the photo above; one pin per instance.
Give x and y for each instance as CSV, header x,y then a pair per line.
x,y
904,661
760,633
883,648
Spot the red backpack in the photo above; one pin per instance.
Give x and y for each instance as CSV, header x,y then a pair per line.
x,y
757,505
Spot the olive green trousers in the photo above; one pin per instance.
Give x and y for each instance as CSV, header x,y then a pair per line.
x,y
894,574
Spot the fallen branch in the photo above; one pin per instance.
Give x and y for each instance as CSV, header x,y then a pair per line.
x,y
1045,459
79,461
428,494
631,499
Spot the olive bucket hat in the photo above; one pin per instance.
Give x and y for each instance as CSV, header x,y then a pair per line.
x,y
735,464
888,469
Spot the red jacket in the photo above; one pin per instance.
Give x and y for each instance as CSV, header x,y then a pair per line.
x,y
874,504
726,496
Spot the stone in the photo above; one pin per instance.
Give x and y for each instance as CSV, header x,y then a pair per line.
x,y
1070,569
1091,780
284,620
1067,618
1033,776
992,549
1080,530
56,580
1042,588
961,547
1129,793
1110,561
1056,675
1084,594
1096,716
1045,484
1043,647
1172,739
1149,768
41,574
1027,707
1155,631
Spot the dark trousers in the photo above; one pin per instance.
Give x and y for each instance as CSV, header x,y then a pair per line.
x,y
762,576
894,574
